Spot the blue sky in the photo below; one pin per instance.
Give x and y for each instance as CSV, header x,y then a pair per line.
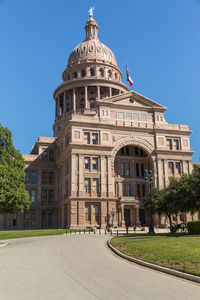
x,y
159,39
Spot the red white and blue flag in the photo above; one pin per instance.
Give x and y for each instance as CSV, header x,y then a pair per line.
x,y
129,77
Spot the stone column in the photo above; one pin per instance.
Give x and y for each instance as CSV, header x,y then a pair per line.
x,y
74,100
86,98
73,214
165,165
103,176
64,104
123,221
110,181
137,217
74,167
110,92
80,175
98,92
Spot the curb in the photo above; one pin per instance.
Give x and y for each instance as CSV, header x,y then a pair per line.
x,y
155,267
3,245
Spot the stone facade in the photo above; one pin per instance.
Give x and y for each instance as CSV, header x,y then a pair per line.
x,y
91,173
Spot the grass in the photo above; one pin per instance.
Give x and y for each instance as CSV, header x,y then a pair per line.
x,y
13,234
178,252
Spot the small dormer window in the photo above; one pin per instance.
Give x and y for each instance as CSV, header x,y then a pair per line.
x,y
109,75
83,73
92,72
101,73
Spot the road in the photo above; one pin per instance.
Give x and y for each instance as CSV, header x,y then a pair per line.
x,y
81,267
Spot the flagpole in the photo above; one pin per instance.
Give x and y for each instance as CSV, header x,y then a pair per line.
x,y
126,76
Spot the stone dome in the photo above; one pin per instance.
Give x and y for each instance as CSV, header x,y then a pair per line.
x,y
92,48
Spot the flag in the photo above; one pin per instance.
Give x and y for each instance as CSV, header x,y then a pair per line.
x,y
129,77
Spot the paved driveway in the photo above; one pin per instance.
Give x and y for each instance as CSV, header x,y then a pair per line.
x,y
80,267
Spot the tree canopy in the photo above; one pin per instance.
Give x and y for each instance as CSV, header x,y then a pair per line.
x,y
13,196
181,195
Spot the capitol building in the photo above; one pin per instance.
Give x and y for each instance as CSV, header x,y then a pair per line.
x,y
91,173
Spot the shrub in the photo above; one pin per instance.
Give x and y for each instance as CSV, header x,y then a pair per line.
x,y
194,227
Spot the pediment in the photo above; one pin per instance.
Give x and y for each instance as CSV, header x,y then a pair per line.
x,y
133,100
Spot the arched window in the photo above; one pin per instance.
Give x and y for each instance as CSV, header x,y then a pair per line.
x,y
101,73
91,72
116,77
75,75
83,73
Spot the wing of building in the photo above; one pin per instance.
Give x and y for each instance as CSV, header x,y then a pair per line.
x,y
91,173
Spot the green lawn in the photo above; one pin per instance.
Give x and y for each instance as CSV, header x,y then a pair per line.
x,y
28,233
181,252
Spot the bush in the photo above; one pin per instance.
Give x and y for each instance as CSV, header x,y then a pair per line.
x,y
194,227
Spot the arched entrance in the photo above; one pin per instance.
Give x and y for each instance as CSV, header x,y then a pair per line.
x,y
129,165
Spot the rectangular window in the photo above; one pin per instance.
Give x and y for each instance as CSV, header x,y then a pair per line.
x,y
178,167
45,155
138,191
176,144
44,177
143,190
87,185
51,178
44,219
122,169
14,220
33,218
27,176
169,144
128,190
50,196
137,170
96,213
87,163
87,213
128,170
135,117
86,137
95,163
50,219
142,117
121,115
34,177
33,195
26,219
94,138
171,166
128,116
44,196
142,170
123,189
95,186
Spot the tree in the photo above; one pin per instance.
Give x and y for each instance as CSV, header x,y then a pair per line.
x,y
164,201
13,196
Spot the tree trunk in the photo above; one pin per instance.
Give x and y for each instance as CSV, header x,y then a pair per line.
x,y
170,223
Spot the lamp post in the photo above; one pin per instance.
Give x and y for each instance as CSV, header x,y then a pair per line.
x,y
112,214
148,178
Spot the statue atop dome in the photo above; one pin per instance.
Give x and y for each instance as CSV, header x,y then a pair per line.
x,y
91,11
